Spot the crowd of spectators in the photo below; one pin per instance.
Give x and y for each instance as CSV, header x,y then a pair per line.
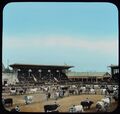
x,y
35,77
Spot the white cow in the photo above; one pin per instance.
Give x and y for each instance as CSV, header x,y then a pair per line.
x,y
77,108
96,87
103,91
73,86
83,89
92,91
114,88
33,90
103,105
106,101
100,106
12,91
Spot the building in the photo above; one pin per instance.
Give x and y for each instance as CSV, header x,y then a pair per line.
x,y
37,74
115,72
31,73
8,77
89,76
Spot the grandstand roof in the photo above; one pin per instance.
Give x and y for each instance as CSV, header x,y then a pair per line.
x,y
87,74
114,66
39,66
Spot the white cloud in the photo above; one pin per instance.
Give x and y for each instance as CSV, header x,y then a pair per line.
x,y
107,46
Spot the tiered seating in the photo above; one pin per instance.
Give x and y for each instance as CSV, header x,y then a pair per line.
x,y
35,77
25,78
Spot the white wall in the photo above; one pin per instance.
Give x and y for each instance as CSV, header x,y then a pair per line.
x,y
11,78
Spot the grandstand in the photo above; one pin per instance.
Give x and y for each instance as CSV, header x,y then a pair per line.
x,y
36,74
89,77
32,74
115,72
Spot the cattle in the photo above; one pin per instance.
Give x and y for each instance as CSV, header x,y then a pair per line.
x,y
109,90
71,91
73,86
20,91
100,106
28,99
115,95
92,91
96,87
88,86
13,110
115,88
13,91
103,105
77,108
33,90
64,88
102,86
66,93
51,108
83,89
103,91
106,100
7,101
16,109
79,91
86,104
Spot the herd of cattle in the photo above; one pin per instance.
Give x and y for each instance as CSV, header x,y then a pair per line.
x,y
59,91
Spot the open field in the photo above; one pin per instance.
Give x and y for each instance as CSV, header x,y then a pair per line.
x,y
39,100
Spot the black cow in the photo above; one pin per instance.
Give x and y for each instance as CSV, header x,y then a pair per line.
x,y
65,88
109,90
8,101
71,91
51,108
14,110
86,104
115,95
20,91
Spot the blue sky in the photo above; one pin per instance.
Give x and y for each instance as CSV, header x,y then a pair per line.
x,y
84,35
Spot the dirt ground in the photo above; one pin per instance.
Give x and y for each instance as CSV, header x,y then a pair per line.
x,y
39,100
